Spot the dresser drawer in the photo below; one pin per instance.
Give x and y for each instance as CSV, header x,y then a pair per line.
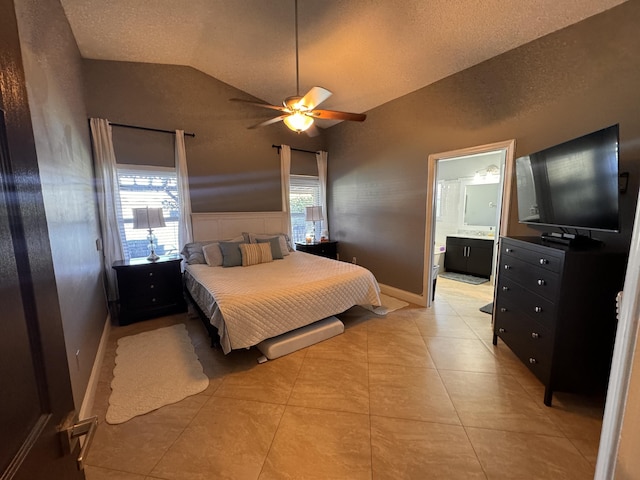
x,y
536,279
146,275
529,340
150,298
513,297
545,258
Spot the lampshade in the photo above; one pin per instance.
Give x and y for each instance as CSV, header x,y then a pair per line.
x,y
148,218
298,122
314,214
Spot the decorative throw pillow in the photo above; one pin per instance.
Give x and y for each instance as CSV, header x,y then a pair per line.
x,y
254,253
193,252
284,240
276,251
212,254
231,254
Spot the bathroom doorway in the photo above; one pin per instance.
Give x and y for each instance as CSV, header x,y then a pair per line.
x,y
468,197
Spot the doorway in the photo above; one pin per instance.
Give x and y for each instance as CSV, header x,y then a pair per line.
x,y
472,173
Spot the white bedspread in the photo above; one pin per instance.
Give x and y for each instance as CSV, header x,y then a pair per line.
x,y
262,301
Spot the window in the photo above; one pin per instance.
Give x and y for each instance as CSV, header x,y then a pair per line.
x,y
304,191
155,187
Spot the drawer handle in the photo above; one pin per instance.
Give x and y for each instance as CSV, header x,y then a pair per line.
x,y
505,289
535,335
538,309
501,330
153,300
503,309
151,274
508,250
152,286
544,261
541,282
532,361
507,267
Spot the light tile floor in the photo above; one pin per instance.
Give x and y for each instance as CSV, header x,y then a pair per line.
x,y
418,394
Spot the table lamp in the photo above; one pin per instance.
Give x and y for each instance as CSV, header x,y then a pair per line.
x,y
314,214
149,218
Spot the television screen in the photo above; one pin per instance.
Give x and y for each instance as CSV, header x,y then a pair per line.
x,y
571,185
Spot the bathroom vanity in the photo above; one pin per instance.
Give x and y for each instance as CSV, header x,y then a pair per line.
x,y
469,255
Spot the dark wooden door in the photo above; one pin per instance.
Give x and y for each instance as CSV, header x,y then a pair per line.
x,y
35,393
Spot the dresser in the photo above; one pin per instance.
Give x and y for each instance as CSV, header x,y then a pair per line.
x,y
149,289
327,249
473,256
555,308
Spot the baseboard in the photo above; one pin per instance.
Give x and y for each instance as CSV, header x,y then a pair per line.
x,y
403,295
86,409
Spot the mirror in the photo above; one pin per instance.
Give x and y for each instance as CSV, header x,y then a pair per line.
x,y
481,205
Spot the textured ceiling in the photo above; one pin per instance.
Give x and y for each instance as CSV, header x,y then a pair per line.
x,y
367,52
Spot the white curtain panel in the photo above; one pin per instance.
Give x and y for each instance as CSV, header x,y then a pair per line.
x,y
185,234
108,199
285,174
321,158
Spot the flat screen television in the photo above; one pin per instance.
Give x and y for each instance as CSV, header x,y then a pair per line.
x,y
573,185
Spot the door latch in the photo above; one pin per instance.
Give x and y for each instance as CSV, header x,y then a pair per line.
x,y
70,432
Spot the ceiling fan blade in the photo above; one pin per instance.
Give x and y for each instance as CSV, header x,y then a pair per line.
x,y
258,104
314,97
335,115
269,122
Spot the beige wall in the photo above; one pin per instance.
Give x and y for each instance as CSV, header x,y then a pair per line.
x,y
231,168
564,85
53,76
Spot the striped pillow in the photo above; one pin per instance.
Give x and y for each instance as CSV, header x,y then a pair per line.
x,y
254,253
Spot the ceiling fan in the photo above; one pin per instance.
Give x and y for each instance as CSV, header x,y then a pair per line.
x,y
298,112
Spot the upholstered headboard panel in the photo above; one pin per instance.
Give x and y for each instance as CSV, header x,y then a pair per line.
x,y
210,226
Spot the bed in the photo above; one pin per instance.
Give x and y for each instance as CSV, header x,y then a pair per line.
x,y
247,304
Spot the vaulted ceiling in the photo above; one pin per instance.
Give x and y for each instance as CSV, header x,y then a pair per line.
x,y
367,52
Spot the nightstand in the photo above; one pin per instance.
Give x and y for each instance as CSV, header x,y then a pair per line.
x,y
149,289
327,249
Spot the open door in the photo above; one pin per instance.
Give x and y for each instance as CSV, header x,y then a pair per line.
x,y
508,147
36,397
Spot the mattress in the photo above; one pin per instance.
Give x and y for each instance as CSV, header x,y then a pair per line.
x,y
250,304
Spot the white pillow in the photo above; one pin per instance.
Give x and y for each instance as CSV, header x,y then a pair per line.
x,y
281,238
212,254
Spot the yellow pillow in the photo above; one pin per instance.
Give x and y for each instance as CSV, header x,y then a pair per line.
x,y
254,253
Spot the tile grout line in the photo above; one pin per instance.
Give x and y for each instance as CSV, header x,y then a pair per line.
x,y
284,409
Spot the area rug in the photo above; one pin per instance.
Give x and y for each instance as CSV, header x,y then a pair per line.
x,y
461,277
488,308
153,369
389,304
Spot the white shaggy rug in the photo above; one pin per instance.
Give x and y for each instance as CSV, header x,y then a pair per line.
x,y
389,304
153,369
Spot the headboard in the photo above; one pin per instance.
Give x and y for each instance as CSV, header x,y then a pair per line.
x,y
218,226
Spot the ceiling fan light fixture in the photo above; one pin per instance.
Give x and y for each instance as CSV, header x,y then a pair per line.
x,y
298,122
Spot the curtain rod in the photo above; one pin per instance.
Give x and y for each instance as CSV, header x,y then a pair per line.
x,y
186,134
278,147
